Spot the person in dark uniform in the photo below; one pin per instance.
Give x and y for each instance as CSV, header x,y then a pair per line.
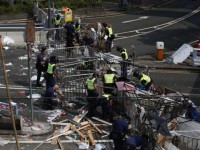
x,y
134,141
109,82
57,23
51,72
124,63
106,104
145,80
119,131
40,65
50,99
70,34
92,93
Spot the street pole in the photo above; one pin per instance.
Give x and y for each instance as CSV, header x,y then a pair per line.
x,y
49,15
8,94
30,82
30,38
49,24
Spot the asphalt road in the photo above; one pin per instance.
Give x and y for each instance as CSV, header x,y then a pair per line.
x,y
169,23
139,31
174,23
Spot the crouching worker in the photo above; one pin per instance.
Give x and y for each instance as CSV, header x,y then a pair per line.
x,y
51,101
145,81
119,131
135,141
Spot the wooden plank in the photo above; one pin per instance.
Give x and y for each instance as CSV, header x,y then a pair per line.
x,y
84,123
58,123
91,138
42,142
103,121
76,118
94,125
75,129
60,144
66,128
86,126
82,116
64,133
54,141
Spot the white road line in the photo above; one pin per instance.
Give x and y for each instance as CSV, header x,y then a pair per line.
x,y
158,27
140,18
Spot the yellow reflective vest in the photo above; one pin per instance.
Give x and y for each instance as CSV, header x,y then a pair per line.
x,y
57,22
106,96
90,83
50,68
126,55
110,31
109,78
77,28
146,78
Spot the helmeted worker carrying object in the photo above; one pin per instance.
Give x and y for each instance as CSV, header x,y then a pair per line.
x,y
124,63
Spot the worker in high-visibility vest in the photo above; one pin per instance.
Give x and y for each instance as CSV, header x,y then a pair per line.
x,y
77,28
57,23
109,36
125,62
145,80
92,93
109,82
52,70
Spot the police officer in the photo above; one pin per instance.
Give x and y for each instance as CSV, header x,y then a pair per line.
x,y
145,80
109,82
50,99
40,65
119,131
106,105
109,36
92,93
57,21
124,63
134,141
52,71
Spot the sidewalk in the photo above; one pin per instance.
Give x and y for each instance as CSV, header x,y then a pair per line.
x,y
152,63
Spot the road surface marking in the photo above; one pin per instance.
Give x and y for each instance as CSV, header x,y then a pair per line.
x,y
140,18
158,27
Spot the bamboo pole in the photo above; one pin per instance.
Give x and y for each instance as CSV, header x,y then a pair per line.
x,y
8,93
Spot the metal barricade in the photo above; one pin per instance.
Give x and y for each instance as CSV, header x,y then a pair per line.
x,y
188,143
41,16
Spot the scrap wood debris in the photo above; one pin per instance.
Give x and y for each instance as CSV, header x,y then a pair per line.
x,y
85,129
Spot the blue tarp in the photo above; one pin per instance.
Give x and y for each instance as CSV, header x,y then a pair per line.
x,y
194,114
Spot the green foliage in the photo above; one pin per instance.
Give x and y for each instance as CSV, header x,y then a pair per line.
x,y
18,7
